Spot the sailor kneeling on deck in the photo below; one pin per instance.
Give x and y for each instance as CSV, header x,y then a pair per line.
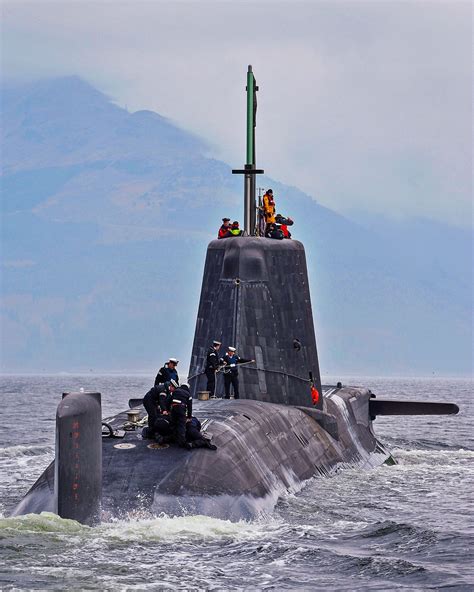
x,y
186,428
156,405
194,437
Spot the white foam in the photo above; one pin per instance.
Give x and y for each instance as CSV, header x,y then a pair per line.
x,y
21,450
161,528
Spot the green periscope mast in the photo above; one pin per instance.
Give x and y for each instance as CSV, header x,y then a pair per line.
x,y
250,170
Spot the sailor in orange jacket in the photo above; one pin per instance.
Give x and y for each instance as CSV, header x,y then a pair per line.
x,y
269,207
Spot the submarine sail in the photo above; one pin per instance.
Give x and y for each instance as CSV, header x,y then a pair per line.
x,y
255,297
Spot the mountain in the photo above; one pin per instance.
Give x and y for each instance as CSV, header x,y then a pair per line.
x,y
106,216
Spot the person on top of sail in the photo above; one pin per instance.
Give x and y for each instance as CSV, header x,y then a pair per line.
x,y
283,223
272,231
269,207
224,230
235,230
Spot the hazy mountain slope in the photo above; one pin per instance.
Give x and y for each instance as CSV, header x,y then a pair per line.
x,y
106,216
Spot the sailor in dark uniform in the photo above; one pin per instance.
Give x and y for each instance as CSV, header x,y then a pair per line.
x,y
231,372
180,407
212,364
194,436
156,405
168,372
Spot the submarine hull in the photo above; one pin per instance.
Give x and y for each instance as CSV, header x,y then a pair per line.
x,y
264,450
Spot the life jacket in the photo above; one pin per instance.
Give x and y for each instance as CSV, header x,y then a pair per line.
x,y
223,231
314,395
269,208
236,231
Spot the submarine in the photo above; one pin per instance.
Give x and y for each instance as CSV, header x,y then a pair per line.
x,y
286,428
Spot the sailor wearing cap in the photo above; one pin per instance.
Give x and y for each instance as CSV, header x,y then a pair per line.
x,y
180,406
167,372
156,403
231,373
212,364
224,230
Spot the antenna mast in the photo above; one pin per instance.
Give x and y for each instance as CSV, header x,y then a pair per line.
x,y
250,169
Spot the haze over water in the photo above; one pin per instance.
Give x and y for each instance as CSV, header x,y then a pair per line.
x,y
402,527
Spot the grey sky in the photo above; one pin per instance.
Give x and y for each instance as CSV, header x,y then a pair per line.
x,y
364,105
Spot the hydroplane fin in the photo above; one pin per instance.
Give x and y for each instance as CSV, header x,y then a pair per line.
x,y
387,407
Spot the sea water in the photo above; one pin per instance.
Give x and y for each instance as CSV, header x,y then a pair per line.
x,y
403,527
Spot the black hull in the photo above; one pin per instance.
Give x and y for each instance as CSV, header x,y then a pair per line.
x,y
264,450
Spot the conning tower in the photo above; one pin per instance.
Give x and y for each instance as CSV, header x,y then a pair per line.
x,y
255,296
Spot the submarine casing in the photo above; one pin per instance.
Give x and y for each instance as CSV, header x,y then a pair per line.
x,y
255,296
264,449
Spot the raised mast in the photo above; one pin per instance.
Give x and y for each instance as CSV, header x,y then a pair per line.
x,y
250,169
251,113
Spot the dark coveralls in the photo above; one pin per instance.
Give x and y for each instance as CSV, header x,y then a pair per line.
x,y
231,374
165,374
194,436
155,402
180,405
193,430
212,363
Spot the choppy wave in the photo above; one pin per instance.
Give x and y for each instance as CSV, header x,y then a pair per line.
x,y
23,450
161,528
393,527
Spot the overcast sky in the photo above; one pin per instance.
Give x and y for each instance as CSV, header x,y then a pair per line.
x,y
364,105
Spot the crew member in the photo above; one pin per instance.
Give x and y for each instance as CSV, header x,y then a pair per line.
x,y
168,372
231,372
156,405
194,436
269,207
283,223
212,364
224,230
235,230
163,429
180,407
272,231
